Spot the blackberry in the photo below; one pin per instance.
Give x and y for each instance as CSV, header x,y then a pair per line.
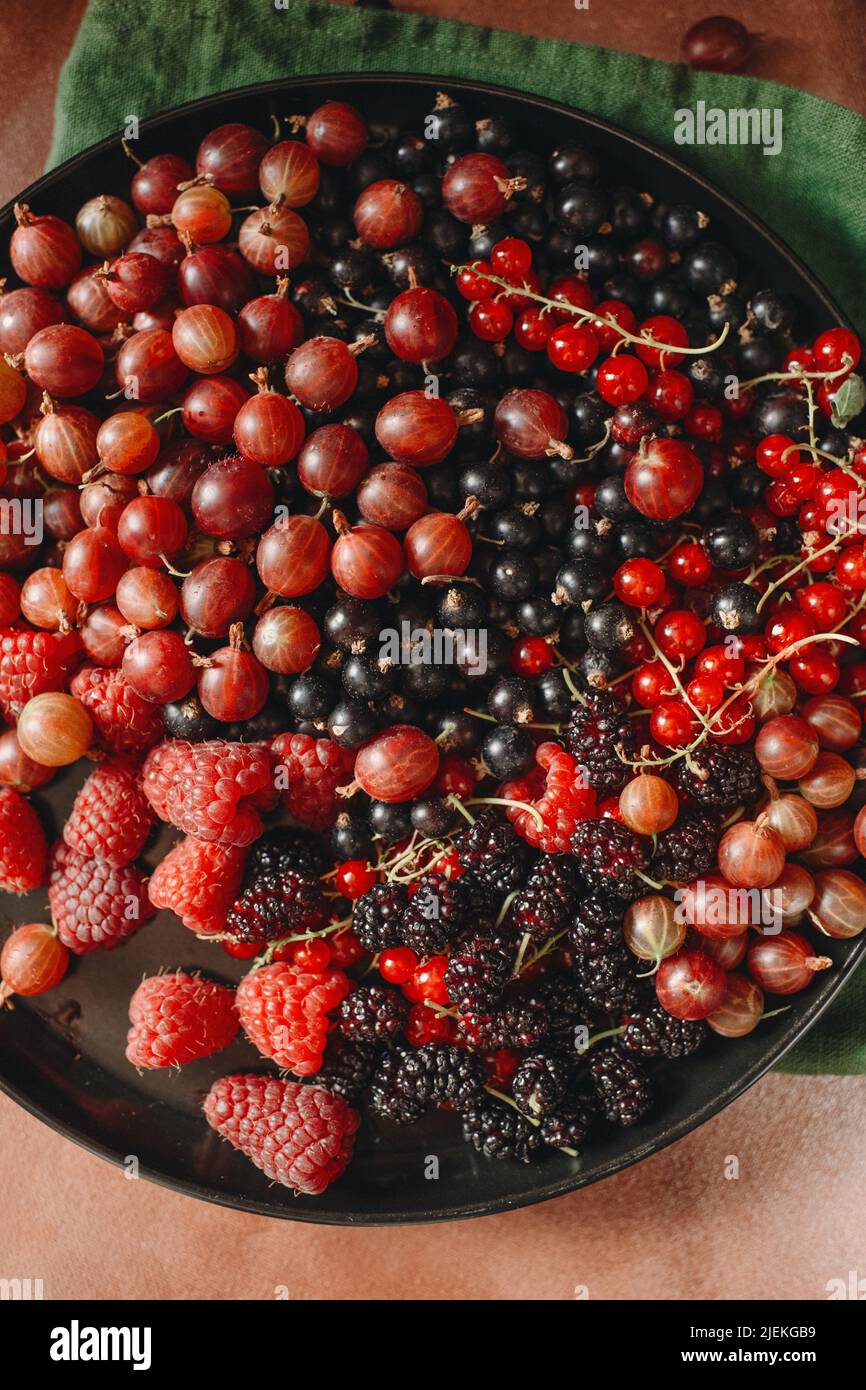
x,y
650,1031
568,1125
520,1022
281,850
372,1014
720,777
688,850
437,911
539,1084
596,927
607,854
595,731
346,1070
275,904
408,1080
566,1008
392,1095
621,1086
497,1131
608,979
543,905
478,970
494,850
377,918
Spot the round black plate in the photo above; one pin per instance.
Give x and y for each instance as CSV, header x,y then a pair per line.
x,y
62,1058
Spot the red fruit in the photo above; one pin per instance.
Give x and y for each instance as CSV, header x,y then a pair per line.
x,y
322,373
93,563
111,817
639,582
417,429
95,906
228,157
269,429
531,657
213,790
366,561
199,882
23,848
420,325
158,666
293,555
622,379
19,771
397,965
831,349
32,961
664,479
44,250
179,1018
560,795
308,772
332,461
690,985
672,724
354,878
436,544
476,188
531,424
336,133
300,1136
572,347
32,663
398,764
284,1013
234,685
663,329
64,360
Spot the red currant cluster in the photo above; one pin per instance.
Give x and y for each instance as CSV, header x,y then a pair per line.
x,y
262,442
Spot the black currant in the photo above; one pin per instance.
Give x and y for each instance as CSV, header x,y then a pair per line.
x,y
508,751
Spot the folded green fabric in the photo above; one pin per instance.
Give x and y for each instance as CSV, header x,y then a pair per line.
x,y
166,53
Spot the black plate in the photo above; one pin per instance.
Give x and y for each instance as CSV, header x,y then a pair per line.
x,y
62,1058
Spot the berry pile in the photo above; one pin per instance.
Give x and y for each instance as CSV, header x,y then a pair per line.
x,y
464,554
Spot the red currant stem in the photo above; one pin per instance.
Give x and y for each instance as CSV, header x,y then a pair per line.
x,y
489,540
642,340
768,565
267,956
647,974
834,544
124,144
454,800
349,789
544,950
524,946
839,463
349,299
795,372
28,455
734,817
440,1010
597,446
567,669
326,503
672,672
5,993
507,1100
773,1012
504,801
265,602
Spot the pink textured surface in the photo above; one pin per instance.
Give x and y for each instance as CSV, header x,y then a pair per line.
x,y
673,1228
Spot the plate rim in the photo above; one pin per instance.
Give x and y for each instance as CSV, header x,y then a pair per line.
x,y
798,1028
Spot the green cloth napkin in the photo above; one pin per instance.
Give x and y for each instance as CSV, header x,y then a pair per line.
x,y
164,53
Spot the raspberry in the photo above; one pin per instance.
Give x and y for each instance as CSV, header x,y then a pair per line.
x,y
95,906
621,1086
688,850
212,790
437,910
493,850
275,905
179,1018
377,918
556,790
284,1012
300,1136
32,663
372,1014
111,817
309,771
596,729
122,721
650,1031
499,1132
199,882
478,970
546,899
608,854
23,848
